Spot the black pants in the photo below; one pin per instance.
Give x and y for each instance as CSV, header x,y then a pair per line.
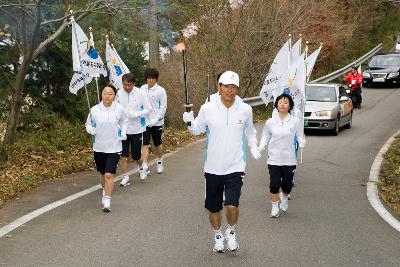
x,y
357,93
281,177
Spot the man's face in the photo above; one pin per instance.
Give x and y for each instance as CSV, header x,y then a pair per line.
x,y
128,86
228,92
151,81
354,71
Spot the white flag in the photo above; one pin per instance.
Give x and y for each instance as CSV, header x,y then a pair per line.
x,y
83,53
116,66
77,81
310,62
276,72
295,52
297,90
96,72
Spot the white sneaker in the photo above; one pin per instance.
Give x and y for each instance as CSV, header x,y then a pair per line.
x,y
284,201
143,174
125,181
146,167
160,166
103,197
219,243
107,204
231,240
275,209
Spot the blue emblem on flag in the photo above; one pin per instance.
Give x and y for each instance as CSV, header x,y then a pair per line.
x,y
286,91
118,70
93,53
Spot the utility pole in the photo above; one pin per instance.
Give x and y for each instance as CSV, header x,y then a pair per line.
x,y
154,49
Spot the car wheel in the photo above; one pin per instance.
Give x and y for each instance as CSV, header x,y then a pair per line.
x,y
350,123
335,130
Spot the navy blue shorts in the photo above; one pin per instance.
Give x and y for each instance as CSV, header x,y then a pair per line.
x,y
281,177
155,133
134,141
215,185
106,162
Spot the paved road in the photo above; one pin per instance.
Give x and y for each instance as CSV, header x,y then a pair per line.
x,y
161,222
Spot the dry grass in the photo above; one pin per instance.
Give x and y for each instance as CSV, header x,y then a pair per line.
x,y
389,184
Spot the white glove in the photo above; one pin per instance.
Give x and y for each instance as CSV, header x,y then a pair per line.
x,y
91,130
303,143
255,153
151,122
188,117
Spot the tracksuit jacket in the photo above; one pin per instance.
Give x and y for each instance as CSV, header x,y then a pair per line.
x,y
282,138
109,124
225,129
157,97
136,107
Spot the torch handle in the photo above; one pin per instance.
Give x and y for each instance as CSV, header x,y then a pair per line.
x,y
187,101
188,109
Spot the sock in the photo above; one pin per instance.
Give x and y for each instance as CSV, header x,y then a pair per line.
x,y
231,228
107,201
144,165
218,232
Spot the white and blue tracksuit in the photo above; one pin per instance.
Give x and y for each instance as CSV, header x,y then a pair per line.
x,y
226,129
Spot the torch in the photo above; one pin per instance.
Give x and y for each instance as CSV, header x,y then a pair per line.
x,y
181,47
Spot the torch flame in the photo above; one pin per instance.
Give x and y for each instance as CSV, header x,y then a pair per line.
x,y
180,47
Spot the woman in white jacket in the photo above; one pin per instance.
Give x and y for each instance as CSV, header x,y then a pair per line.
x,y
282,135
107,123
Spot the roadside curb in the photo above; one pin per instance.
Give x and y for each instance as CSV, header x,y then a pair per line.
x,y
372,189
36,213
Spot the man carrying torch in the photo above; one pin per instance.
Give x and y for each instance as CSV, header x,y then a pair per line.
x,y
225,122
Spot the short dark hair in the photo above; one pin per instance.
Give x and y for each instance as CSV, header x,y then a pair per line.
x,y
288,97
151,73
111,86
128,77
354,67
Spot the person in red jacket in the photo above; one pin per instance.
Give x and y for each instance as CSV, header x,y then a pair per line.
x,y
354,80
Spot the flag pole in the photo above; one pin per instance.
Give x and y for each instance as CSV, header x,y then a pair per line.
x,y
290,50
95,77
304,100
300,35
208,87
80,63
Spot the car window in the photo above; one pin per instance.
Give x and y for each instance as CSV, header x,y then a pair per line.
x,y
321,93
342,91
385,60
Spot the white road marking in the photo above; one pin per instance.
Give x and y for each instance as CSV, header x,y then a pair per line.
x,y
372,189
28,217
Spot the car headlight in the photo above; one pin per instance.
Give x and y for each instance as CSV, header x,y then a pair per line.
x,y
393,75
323,113
366,75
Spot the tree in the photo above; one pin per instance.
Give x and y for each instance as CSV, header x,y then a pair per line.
x,y
27,20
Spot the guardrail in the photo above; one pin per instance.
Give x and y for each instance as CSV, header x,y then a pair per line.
x,y
256,100
333,75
